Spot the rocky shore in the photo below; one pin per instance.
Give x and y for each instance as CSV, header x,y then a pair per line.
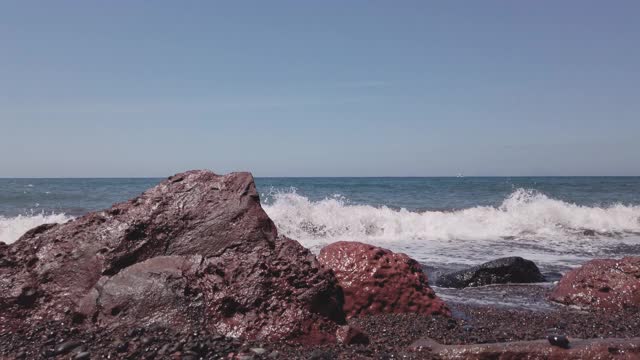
x,y
194,269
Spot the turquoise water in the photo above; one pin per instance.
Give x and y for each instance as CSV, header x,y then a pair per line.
x,y
557,221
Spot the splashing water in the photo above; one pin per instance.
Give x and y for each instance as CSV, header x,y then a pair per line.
x,y
11,228
527,223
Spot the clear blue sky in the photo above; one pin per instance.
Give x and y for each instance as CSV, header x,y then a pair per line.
x,y
319,88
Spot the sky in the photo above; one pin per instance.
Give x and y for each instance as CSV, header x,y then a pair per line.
x,y
319,88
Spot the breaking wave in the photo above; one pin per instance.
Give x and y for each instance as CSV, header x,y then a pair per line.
x,y
11,228
524,214
527,223
525,219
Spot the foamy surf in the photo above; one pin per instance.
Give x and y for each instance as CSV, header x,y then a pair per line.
x,y
11,228
527,223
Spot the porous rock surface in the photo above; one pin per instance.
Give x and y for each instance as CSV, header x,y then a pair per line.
x,y
606,284
195,251
500,271
377,280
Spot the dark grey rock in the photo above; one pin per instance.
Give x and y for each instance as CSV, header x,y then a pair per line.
x,y
501,271
558,340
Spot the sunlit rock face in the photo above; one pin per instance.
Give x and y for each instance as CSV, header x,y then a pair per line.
x,y
196,250
377,280
607,284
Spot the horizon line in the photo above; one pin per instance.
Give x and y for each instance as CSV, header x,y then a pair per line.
x,y
314,177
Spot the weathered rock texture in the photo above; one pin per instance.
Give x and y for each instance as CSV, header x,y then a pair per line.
x,y
536,349
196,250
601,284
501,271
376,280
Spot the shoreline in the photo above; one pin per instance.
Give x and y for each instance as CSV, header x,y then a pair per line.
x,y
391,335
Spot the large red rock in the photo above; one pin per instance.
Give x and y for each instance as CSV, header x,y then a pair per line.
x,y
377,280
196,250
601,284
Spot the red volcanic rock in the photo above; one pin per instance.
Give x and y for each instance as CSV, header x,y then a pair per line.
x,y
601,283
376,280
196,250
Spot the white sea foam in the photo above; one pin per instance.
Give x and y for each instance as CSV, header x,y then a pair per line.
x,y
552,230
11,228
527,223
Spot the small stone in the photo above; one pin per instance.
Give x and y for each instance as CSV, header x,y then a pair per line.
x,y
82,355
558,340
47,353
67,346
27,297
121,346
274,354
163,350
258,351
562,325
350,335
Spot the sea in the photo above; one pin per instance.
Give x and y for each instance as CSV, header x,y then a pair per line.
x,y
450,222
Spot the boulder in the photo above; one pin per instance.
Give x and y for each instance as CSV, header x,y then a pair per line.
x,y
377,280
501,271
195,251
601,284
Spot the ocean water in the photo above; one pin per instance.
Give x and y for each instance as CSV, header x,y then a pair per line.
x,y
559,222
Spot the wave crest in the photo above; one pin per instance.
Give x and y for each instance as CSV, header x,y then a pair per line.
x,y
11,228
524,214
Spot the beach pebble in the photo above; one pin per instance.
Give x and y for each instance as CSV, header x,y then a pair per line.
x,y
163,350
121,346
67,346
562,325
258,351
558,340
82,355
245,357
